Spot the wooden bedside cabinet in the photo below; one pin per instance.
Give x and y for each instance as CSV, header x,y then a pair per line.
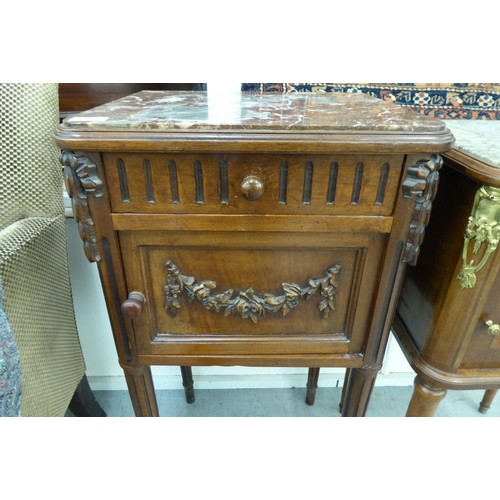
x,y
266,230
448,316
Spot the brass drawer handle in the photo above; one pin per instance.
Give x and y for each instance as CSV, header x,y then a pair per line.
x,y
492,329
484,227
252,187
247,304
132,307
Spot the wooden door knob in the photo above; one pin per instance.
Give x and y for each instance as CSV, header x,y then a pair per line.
x,y
132,307
252,187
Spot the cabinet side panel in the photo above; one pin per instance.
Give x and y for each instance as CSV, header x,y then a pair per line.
x,y
424,288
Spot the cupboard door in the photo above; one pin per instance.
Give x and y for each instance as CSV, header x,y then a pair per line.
x,y
231,293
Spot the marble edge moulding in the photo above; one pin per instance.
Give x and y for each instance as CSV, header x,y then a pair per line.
x,y
317,121
158,110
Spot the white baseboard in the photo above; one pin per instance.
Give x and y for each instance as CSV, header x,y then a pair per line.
x,y
164,382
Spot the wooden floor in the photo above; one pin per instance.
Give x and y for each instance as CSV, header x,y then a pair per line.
x,y
385,402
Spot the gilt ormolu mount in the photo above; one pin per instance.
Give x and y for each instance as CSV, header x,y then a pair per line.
x,y
483,226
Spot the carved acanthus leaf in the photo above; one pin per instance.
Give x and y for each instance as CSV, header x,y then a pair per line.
x,y
421,182
85,170
81,178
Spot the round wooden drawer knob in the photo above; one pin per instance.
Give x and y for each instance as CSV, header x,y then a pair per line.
x,y
132,307
252,187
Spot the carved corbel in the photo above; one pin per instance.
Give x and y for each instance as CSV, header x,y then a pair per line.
x,y
81,178
421,182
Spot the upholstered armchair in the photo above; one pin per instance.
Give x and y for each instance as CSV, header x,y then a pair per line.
x,y
41,362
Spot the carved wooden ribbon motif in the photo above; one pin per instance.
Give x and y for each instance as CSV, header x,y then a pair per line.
x,y
247,304
483,226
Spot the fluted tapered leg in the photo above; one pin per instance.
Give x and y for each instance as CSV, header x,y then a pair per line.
x,y
358,392
141,389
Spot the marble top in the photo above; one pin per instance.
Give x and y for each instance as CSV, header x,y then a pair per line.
x,y
478,138
197,111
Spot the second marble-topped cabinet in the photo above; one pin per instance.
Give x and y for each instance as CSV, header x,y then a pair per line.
x,y
448,315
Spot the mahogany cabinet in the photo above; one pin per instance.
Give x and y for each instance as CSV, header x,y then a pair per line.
x,y
448,315
264,230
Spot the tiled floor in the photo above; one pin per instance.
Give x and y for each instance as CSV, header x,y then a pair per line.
x,y
385,402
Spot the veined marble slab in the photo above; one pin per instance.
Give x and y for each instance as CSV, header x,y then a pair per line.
x,y
157,110
478,138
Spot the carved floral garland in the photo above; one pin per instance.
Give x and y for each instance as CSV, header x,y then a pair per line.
x,y
247,304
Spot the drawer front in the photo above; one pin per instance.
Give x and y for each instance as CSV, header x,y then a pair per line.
x,y
253,293
253,183
483,350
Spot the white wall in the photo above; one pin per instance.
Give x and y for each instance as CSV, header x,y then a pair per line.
x,y
104,372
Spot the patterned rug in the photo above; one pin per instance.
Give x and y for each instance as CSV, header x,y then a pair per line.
x,y
466,101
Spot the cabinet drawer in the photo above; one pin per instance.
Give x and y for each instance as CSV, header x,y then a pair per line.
x,y
483,350
252,293
279,184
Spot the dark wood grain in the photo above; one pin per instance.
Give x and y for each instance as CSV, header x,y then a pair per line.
x,y
224,183
308,179
358,180
148,182
174,184
122,176
332,184
384,174
198,182
283,186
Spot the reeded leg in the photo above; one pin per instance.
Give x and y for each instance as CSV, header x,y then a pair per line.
x,y
358,392
488,398
187,382
141,389
312,385
344,388
425,399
